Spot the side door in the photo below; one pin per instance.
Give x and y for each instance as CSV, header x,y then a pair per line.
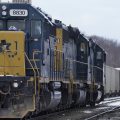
x,y
35,45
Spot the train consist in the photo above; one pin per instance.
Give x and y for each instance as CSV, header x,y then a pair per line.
x,y
45,65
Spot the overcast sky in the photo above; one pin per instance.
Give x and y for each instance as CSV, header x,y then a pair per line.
x,y
93,17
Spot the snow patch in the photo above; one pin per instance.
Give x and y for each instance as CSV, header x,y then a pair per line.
x,y
101,108
87,111
114,104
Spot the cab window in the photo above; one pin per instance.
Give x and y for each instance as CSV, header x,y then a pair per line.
x,y
36,28
99,55
18,25
83,48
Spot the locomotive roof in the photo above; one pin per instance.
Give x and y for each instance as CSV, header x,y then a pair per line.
x,y
36,13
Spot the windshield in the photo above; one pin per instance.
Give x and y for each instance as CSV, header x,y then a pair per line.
x,y
18,25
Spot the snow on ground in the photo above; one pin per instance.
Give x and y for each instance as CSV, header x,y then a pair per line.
x,y
87,111
102,108
114,104
109,99
112,98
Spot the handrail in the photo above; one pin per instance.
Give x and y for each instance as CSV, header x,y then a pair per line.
x,y
85,64
5,51
60,52
35,52
33,71
29,63
98,68
25,56
76,61
35,78
38,74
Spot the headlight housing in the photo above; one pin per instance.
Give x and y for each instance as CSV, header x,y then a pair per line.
x,y
4,7
15,85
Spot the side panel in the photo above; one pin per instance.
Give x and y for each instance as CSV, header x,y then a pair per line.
x,y
112,80
108,80
117,81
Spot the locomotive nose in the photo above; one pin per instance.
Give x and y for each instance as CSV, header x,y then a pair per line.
x,y
12,61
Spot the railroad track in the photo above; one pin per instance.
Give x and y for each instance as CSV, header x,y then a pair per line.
x,y
49,115
83,112
97,116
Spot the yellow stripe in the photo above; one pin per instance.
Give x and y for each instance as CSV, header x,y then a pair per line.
x,y
59,47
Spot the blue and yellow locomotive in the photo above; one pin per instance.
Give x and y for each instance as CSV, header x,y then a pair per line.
x,y
45,65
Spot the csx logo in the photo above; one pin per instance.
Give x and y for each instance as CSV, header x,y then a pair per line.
x,y
9,48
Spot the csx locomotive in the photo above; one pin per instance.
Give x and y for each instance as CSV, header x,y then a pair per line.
x,y
44,64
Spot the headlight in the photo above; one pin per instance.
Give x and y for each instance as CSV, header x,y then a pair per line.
x,y
4,7
4,13
15,85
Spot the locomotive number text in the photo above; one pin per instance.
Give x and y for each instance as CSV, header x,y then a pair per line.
x,y
18,12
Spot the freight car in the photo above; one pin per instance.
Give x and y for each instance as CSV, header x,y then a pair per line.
x,y
45,65
112,81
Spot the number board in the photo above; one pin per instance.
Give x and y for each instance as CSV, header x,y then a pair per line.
x,y
19,12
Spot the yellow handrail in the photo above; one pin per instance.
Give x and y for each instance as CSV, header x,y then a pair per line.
x,y
33,70
35,52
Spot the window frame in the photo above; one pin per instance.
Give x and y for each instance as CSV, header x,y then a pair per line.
x,y
35,35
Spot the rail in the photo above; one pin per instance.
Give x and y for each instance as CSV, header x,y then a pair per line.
x,y
114,109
